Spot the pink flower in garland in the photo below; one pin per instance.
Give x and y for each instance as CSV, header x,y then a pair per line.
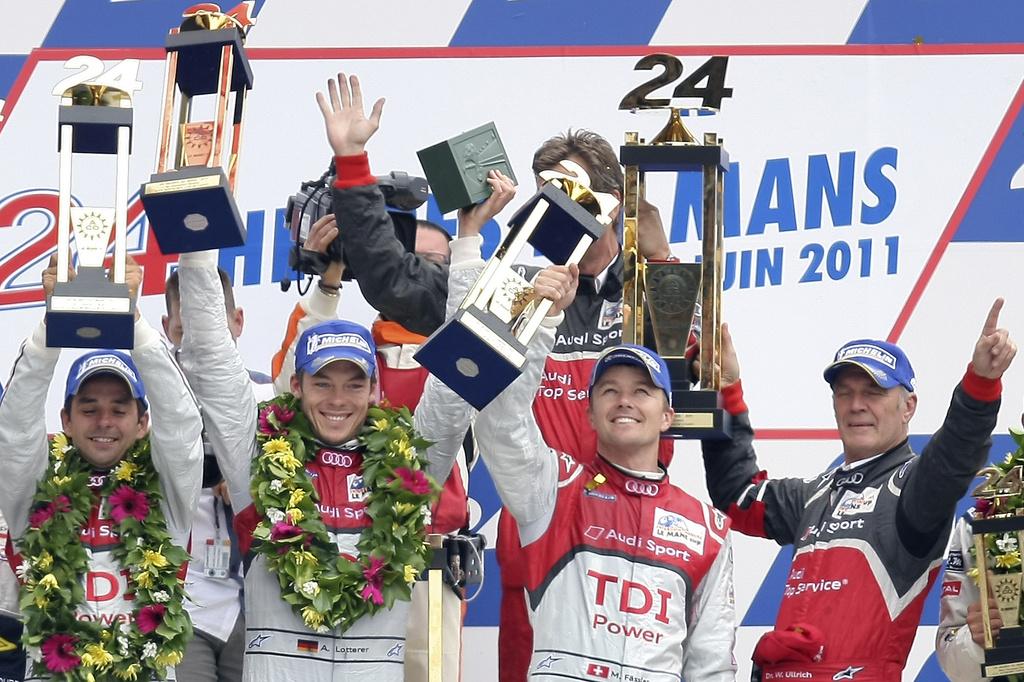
x,y
372,572
373,576
372,593
41,515
414,481
273,418
127,502
59,653
284,531
150,617
62,504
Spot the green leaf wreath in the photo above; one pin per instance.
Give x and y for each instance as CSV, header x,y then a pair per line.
x,y
328,590
154,634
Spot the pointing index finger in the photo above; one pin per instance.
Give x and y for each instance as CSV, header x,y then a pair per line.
x,y
992,321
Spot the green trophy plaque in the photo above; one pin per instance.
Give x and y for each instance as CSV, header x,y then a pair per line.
x,y
457,168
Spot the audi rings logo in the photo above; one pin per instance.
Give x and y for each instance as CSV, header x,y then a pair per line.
x,y
642,487
335,459
855,478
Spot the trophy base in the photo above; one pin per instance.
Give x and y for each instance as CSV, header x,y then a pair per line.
x,y
192,209
90,312
562,226
699,416
475,355
1007,656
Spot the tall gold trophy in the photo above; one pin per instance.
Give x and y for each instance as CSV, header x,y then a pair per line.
x,y
663,296
189,201
998,527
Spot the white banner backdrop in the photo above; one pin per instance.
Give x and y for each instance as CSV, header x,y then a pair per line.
x,y
853,170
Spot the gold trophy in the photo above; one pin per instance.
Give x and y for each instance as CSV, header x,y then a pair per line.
x,y
482,348
92,310
998,527
189,200
663,296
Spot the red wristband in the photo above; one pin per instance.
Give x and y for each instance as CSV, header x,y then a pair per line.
x,y
732,398
979,387
353,171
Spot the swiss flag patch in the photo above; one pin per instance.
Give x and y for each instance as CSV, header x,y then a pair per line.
x,y
598,670
951,589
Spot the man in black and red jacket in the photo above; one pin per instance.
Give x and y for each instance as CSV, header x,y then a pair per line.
x,y
869,535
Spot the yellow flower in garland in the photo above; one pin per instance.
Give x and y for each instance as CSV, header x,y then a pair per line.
x,y
144,579
312,617
296,497
129,673
60,481
45,561
304,557
1008,560
410,574
40,601
168,658
403,508
59,446
95,656
49,582
294,516
380,424
126,470
280,452
153,559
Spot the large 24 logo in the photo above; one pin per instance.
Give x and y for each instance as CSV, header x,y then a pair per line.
x,y
20,287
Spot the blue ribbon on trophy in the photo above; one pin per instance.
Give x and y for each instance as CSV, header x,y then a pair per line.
x,y
482,348
92,310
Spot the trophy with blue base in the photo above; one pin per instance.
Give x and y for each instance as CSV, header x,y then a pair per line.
x,y
92,310
189,201
482,348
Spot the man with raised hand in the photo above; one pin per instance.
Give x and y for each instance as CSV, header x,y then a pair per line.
x,y
101,515
321,457
868,535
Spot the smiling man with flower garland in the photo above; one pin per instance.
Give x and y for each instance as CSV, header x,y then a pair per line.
x,y
100,515
331,489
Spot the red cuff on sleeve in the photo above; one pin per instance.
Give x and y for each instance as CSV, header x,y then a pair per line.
x,y
732,398
353,171
979,387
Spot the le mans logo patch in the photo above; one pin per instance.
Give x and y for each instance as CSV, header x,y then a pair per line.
x,y
955,561
852,503
679,529
356,488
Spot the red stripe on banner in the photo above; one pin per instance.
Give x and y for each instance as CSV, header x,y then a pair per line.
x,y
958,214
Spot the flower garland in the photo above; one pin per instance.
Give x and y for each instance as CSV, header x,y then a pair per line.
x,y
1001,495
54,561
325,589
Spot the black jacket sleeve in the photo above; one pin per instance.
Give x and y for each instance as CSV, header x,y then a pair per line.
x,y
400,285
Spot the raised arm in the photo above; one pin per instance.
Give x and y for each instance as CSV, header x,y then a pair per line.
x,y
176,434
960,447
737,485
216,372
400,285
524,468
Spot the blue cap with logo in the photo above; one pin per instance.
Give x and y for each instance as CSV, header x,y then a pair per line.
x,y
637,356
884,362
334,340
105,362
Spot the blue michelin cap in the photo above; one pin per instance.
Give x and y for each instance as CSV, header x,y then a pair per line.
x,y
334,340
637,356
884,362
105,362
